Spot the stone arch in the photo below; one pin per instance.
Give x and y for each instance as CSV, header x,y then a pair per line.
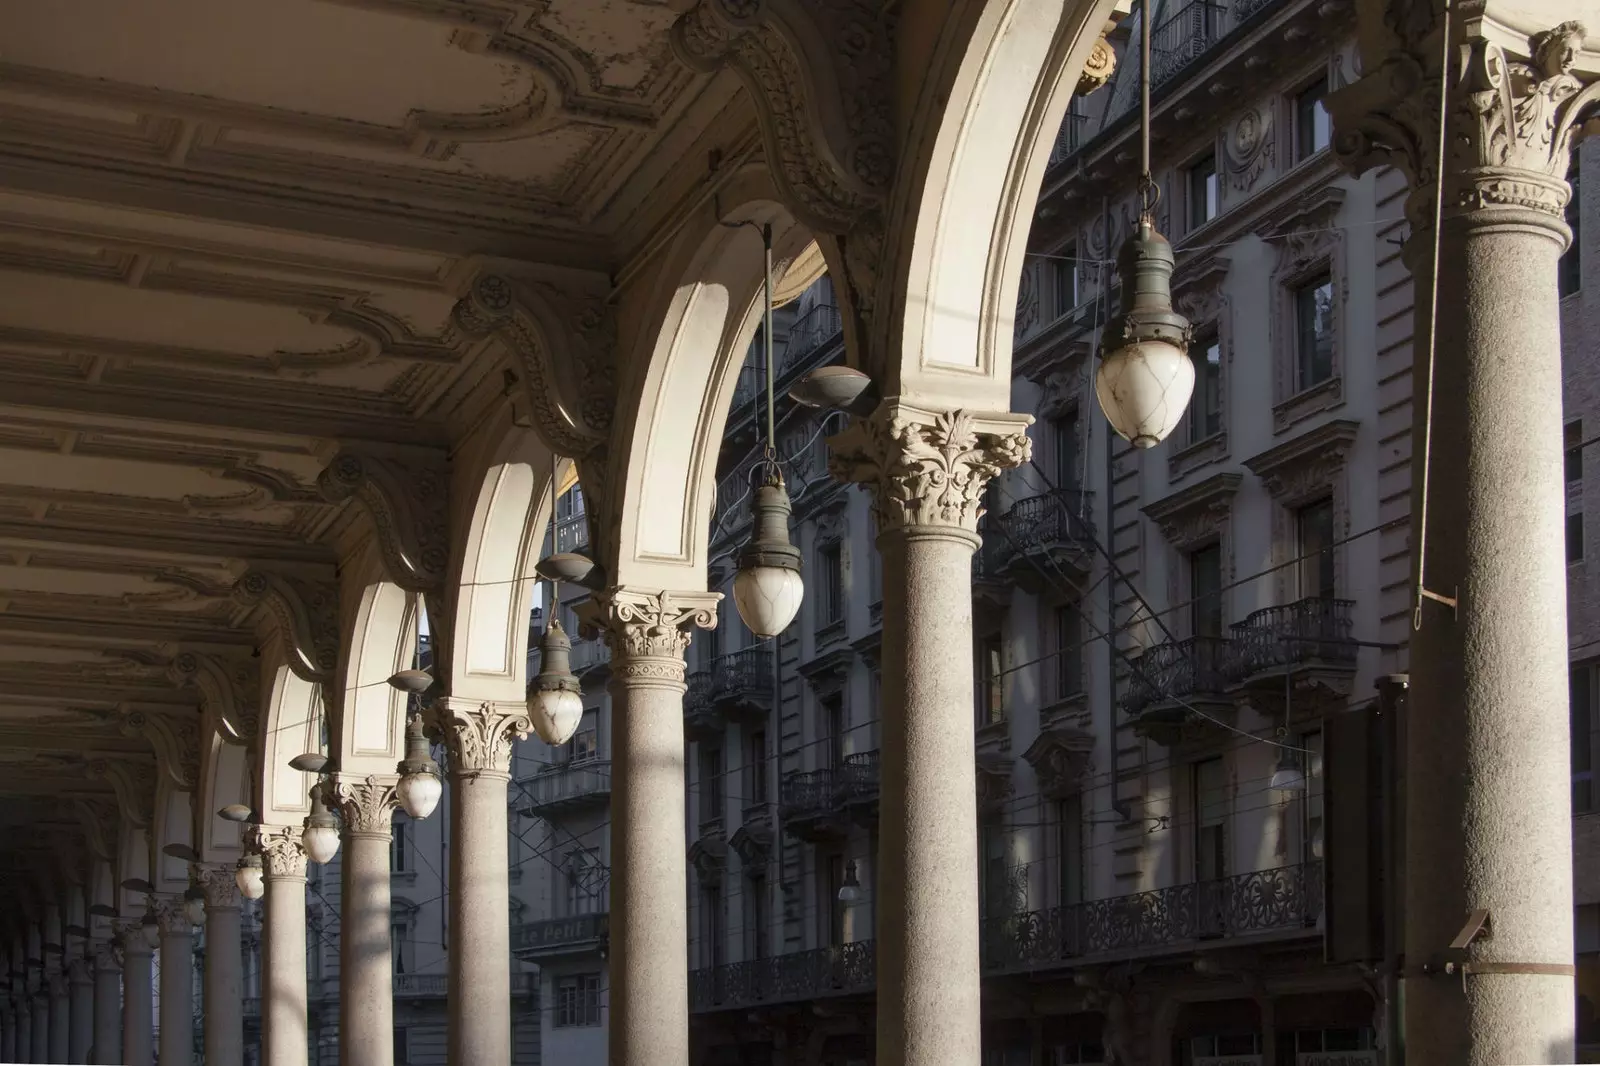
x,y
293,725
173,824
697,324
133,861
225,778
998,90
368,734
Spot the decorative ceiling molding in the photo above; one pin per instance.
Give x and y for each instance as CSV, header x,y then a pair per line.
x,y
229,687
99,821
407,500
305,611
134,783
176,741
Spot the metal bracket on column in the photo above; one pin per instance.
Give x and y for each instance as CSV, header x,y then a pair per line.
x,y
1453,961
1449,601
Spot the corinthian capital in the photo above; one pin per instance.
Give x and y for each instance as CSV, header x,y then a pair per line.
x,y
217,881
367,804
928,469
649,631
480,735
173,918
282,854
1510,123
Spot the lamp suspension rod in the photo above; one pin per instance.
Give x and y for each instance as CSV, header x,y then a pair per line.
x,y
555,583
1146,184
766,330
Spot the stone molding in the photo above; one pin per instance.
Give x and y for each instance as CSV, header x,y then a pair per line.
x,y
648,632
1191,517
221,889
408,500
367,804
282,853
134,784
229,687
479,735
993,777
176,742
1512,120
1308,243
306,613
1062,758
1300,471
927,470
709,857
107,956
98,818
1199,294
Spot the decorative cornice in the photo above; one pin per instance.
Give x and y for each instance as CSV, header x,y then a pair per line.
x,y
230,688
993,773
1304,229
306,613
928,469
1061,758
367,804
1306,463
282,854
1511,120
176,742
408,501
709,857
480,735
1197,291
753,841
1196,513
648,632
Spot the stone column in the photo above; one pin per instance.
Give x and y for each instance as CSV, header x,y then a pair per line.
x,y
8,1032
224,977
107,1005
648,633
366,987
138,994
927,471
40,1043
60,1017
80,995
177,986
25,1028
1488,822
283,947
479,736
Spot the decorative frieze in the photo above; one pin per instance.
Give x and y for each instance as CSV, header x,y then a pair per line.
x,y
1197,514
929,469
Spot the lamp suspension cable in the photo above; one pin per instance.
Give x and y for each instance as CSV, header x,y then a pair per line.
x,y
766,331
555,496
1149,192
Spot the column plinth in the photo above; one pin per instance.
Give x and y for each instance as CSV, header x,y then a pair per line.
x,y
283,943
1488,815
480,736
648,633
366,990
107,1046
927,471
223,1001
177,985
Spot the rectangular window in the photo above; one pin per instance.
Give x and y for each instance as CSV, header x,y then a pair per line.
x,y
833,881
1314,529
1205,413
991,681
397,945
1581,714
1064,435
1572,453
1067,280
755,914
584,746
756,767
1069,651
712,939
1203,191
399,851
1312,128
577,1001
833,727
1209,802
1069,843
1569,272
1575,537
1313,313
1205,591
1312,816
710,782
583,879
830,567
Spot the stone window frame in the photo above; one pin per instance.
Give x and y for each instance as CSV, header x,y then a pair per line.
x,y
1306,468
1198,294
830,530
1193,518
1308,246
1052,704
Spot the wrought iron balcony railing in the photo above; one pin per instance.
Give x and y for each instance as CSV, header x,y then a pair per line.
x,y
810,333
804,794
1063,518
575,935
1070,137
794,977
1184,37
1281,900
420,985
567,786
742,679
1187,668
1314,629
572,533
858,777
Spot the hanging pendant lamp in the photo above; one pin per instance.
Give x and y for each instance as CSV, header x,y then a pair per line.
x,y
555,697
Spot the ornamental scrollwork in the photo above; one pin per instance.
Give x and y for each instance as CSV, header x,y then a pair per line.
x,y
282,853
408,502
367,804
929,469
480,735
648,632
176,742
220,886
306,613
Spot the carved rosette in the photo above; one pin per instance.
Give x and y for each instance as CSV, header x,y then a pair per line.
x,y
227,685
367,804
222,891
480,735
928,469
648,632
282,854
1511,123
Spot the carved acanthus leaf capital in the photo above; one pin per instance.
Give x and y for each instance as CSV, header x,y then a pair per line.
x,y
929,469
648,632
306,612
367,804
106,956
217,880
173,918
407,499
479,735
1511,121
282,853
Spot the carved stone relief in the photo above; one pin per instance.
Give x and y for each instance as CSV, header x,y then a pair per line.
x,y
1251,148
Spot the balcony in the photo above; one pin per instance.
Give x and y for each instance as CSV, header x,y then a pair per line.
x,y
420,985
581,934
700,718
823,804
1307,645
842,970
810,334
990,584
572,533
1050,532
1070,137
741,683
567,787
1169,676
1268,904
1183,38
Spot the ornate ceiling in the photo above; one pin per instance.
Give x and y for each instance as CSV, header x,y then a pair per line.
x,y
231,238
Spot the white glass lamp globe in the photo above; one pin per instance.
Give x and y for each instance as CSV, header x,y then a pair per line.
x,y
194,908
768,598
555,714
248,876
1144,389
321,842
419,793
151,929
